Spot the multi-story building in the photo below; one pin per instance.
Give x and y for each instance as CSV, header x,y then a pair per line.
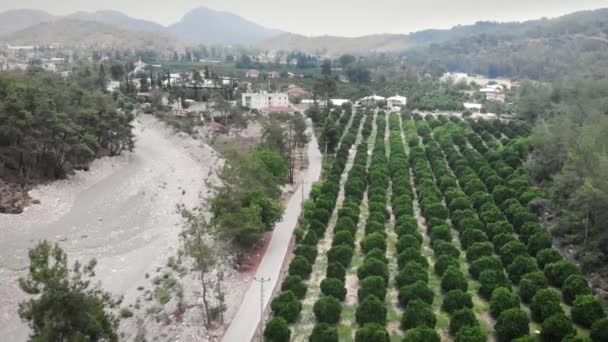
x,y
264,100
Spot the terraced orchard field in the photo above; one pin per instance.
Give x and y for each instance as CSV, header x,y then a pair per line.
x,y
425,229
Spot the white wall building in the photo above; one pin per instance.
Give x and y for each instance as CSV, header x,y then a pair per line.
x,y
265,100
371,100
396,101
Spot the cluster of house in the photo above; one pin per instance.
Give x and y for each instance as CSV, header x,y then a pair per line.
x,y
48,64
274,57
271,74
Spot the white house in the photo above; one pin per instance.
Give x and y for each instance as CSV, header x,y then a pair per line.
x,y
473,107
252,74
339,102
396,101
493,92
139,66
263,100
371,100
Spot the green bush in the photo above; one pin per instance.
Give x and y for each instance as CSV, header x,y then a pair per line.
x,y
409,255
444,262
373,240
587,310
372,285
421,334
547,256
478,250
327,309
456,300
372,332
471,236
522,264
336,270
333,287
512,250
445,248
376,254
538,242
496,228
411,273
531,283
441,232
529,229
300,266
310,238
307,251
574,286
453,279
545,303
511,324
407,241
371,267
462,318
341,253
502,299
556,327
502,239
418,313
491,280
323,332
286,305
436,210
485,263
599,330
557,272
343,238
294,284
418,290
371,310
277,330
471,334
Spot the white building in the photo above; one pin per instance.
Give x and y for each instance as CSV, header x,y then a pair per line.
x,y
263,100
493,92
371,100
473,107
139,66
396,101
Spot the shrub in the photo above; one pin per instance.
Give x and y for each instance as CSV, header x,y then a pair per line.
x,y
502,299
444,262
407,241
441,232
327,309
372,332
520,266
453,279
371,267
307,251
373,240
556,327
421,334
418,290
502,193
502,239
500,227
371,310
294,284
490,280
471,333
456,300
511,324
342,254
599,330
545,303
471,236
376,254
462,318
547,256
436,210
478,250
286,305
300,266
336,270
411,273
343,238
333,287
574,286
411,254
538,242
372,285
485,263
277,330
511,250
531,283
445,248
529,229
323,332
587,310
418,313
557,272
310,238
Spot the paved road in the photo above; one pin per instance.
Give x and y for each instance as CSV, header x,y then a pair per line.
x,y
245,322
126,219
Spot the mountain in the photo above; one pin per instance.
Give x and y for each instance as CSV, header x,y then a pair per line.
x,y
206,26
332,46
82,33
16,20
119,19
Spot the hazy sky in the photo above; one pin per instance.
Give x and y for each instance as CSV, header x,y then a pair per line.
x,y
334,17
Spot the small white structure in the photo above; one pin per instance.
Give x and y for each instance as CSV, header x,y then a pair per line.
x,y
339,102
139,66
396,101
371,100
252,73
264,100
493,92
472,107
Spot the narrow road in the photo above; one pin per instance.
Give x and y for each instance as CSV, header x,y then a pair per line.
x,y
122,212
245,322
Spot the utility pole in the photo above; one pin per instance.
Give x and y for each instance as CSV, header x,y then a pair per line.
x,y
302,196
262,280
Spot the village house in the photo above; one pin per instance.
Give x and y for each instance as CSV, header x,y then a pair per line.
x,y
297,92
264,100
139,66
472,107
252,73
493,93
274,74
371,100
396,101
